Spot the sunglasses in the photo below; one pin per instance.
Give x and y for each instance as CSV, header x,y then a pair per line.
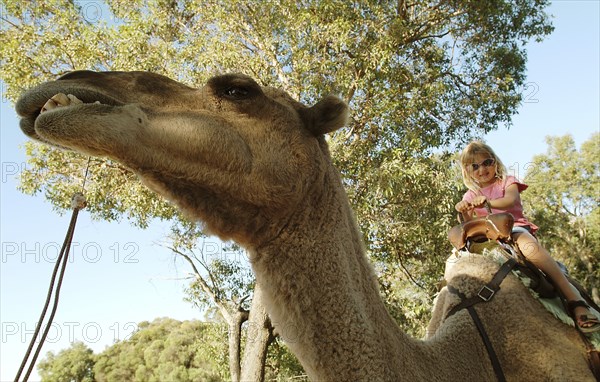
x,y
486,163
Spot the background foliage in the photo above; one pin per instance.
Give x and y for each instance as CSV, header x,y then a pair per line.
x,y
564,200
159,351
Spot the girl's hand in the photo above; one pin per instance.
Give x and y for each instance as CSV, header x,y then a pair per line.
x,y
464,207
479,201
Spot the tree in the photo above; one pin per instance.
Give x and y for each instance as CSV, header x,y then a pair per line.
x,y
161,350
74,364
218,282
221,286
420,77
166,350
564,200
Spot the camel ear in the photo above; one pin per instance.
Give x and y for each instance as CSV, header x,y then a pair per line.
x,y
327,115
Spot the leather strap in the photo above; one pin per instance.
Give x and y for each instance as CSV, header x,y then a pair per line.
x,y
488,345
485,294
593,356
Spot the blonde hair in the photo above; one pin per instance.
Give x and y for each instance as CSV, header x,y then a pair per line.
x,y
465,160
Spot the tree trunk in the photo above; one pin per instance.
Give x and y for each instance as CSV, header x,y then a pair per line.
x,y
234,337
260,336
585,255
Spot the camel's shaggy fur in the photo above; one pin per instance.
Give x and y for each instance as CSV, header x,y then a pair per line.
x,y
253,165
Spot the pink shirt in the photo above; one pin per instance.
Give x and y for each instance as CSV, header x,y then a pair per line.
x,y
496,191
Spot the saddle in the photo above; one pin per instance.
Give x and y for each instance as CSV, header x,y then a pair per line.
x,y
490,227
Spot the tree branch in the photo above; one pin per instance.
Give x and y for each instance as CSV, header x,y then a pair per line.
x,y
204,285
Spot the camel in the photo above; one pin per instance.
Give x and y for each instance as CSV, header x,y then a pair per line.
x,y
252,164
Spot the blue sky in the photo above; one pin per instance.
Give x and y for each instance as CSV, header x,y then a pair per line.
x,y
119,276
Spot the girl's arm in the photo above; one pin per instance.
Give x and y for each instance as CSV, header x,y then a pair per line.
x,y
510,198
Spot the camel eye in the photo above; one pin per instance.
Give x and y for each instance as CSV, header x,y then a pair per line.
x,y
236,92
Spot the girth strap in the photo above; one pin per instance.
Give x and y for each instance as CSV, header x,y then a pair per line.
x,y
485,294
488,345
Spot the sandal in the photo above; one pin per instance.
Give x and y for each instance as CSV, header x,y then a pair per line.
x,y
586,323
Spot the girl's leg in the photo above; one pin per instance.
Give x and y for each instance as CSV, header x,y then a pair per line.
x,y
540,257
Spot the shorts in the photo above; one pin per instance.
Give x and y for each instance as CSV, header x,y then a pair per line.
x,y
522,229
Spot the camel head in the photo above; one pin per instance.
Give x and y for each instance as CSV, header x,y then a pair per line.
x,y
238,156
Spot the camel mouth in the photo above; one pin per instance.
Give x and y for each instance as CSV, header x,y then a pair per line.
x,y
30,107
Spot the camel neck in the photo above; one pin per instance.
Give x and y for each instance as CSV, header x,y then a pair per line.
x,y
321,291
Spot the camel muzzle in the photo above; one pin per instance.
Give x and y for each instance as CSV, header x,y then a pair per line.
x,y
29,105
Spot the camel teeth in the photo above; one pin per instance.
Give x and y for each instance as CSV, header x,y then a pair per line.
x,y
62,100
73,99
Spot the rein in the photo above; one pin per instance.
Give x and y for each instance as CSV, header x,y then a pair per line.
x,y
78,202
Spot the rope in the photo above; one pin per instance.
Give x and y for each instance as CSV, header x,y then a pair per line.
x,y
87,170
77,203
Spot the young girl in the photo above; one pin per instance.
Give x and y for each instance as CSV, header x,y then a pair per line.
x,y
485,177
